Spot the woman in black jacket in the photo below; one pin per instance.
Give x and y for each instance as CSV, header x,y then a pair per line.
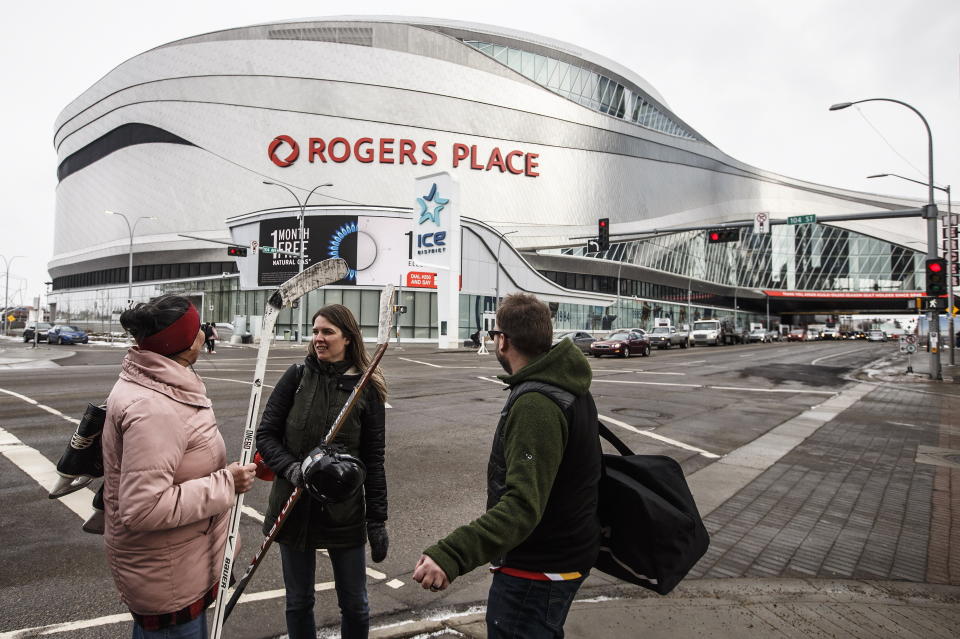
x,y
298,415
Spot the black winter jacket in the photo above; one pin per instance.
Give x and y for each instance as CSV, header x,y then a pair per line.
x,y
298,415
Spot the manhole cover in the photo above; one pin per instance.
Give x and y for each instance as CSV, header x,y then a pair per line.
x,y
638,412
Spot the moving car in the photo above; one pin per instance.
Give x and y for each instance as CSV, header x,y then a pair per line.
x,y
64,334
582,339
622,344
876,336
41,329
759,335
796,335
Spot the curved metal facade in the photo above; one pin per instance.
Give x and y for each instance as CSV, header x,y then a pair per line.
x,y
182,133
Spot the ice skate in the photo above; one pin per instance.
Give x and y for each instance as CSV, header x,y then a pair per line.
x,y
82,462
95,522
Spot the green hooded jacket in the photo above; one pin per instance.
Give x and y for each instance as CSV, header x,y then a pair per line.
x,y
535,436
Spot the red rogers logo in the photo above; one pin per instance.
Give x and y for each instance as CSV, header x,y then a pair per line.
x,y
294,150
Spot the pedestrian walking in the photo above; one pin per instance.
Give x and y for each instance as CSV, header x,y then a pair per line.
x,y
299,413
541,531
167,487
208,336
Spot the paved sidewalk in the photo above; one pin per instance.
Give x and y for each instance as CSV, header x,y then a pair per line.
x,y
852,529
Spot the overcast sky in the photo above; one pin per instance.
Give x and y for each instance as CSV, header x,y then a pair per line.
x,y
755,77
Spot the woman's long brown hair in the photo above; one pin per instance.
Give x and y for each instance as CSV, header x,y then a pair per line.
x,y
341,317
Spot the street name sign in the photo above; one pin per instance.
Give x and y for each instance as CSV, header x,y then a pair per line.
x,y
802,219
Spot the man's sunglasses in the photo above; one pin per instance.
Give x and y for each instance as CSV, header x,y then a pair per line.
x,y
493,334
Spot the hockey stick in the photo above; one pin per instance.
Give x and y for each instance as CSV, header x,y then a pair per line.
x,y
383,340
313,277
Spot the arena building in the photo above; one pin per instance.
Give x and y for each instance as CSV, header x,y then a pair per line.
x,y
352,122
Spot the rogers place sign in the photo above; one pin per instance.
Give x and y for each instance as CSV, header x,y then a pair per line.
x,y
284,151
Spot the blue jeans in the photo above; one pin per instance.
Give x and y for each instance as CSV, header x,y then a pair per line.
x,y
528,609
196,629
349,576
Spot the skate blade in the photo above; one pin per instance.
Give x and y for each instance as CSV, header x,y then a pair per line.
x,y
94,524
67,484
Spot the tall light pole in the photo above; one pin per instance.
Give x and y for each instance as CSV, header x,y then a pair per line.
x,y
948,251
131,230
496,300
6,290
303,211
929,212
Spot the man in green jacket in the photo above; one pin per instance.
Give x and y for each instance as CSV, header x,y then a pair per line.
x,y
541,532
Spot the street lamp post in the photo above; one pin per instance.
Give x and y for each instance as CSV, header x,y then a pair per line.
x,y
6,290
131,230
496,301
949,253
930,213
303,211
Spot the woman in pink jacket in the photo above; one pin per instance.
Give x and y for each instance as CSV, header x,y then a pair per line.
x,y
167,487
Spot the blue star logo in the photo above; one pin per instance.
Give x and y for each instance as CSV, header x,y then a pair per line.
x,y
439,203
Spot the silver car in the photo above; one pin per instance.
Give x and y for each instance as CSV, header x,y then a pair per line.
x,y
582,339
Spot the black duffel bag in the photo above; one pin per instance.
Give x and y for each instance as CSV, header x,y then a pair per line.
x,y
651,531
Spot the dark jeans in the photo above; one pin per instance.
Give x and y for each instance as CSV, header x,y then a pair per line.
x,y
350,578
196,629
527,609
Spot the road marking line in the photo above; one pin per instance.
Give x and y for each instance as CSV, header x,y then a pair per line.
x,y
235,381
820,359
772,390
42,471
488,379
395,583
652,435
624,381
639,372
416,361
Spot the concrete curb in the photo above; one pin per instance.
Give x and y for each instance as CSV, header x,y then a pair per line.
x,y
742,607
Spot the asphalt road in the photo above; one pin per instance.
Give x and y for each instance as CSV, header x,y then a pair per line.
x,y
692,404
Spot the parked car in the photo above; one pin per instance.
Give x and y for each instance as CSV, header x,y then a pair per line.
x,y
876,336
582,339
622,344
41,328
759,335
64,334
666,336
812,335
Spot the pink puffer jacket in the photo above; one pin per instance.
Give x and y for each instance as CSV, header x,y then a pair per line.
x,y
167,492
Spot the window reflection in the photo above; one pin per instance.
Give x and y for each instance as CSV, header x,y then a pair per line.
x,y
592,90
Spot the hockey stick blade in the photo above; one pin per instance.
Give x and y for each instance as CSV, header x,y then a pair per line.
x,y
383,340
313,277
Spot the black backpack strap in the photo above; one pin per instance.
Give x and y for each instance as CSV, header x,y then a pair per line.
x,y
563,399
607,434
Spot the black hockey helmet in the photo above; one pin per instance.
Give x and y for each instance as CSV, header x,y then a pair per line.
x,y
331,476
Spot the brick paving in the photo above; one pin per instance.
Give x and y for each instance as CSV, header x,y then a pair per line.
x,y
851,502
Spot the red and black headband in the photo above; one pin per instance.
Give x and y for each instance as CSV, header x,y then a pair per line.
x,y
175,338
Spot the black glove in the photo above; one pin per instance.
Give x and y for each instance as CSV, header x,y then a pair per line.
x,y
293,474
379,541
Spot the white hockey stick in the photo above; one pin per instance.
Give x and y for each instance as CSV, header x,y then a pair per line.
x,y
312,278
383,339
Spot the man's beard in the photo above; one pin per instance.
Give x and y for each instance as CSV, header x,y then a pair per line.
x,y
503,362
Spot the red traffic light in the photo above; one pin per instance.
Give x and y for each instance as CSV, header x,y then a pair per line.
x,y
603,223
935,267
714,236
237,251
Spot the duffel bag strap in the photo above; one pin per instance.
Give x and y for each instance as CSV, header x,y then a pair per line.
x,y
606,434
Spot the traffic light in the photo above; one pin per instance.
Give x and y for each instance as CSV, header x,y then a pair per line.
x,y
603,233
719,236
237,251
936,277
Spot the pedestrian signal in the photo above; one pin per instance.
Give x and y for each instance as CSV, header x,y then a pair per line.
x,y
719,236
936,277
237,251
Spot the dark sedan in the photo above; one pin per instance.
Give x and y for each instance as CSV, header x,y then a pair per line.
x,y
622,344
41,334
63,334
